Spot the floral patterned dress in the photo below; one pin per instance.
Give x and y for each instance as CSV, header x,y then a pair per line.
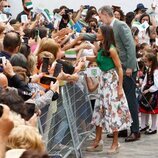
x,y
110,112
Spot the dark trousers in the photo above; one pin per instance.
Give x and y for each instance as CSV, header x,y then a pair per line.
x,y
129,87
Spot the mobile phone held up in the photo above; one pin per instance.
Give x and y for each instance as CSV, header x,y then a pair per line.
x,y
25,40
57,69
86,7
45,65
47,80
3,60
1,110
36,34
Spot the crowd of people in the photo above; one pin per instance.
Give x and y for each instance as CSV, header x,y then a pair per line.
x,y
40,49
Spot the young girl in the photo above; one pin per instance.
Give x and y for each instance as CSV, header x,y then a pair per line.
x,y
113,112
92,85
150,92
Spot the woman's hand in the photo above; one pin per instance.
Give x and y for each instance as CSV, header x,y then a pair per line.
x,y
33,120
146,91
36,77
120,93
51,70
54,86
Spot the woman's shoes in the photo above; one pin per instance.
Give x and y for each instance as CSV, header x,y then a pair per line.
x,y
144,129
114,150
96,147
149,132
119,145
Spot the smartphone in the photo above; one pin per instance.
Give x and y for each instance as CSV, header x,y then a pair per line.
x,y
26,40
45,65
36,34
1,110
47,80
89,30
57,69
24,19
2,60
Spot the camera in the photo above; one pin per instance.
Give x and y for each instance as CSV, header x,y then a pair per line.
x,y
69,11
86,7
47,80
3,60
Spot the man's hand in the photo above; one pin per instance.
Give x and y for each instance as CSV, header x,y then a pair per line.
x,y
8,69
129,72
6,125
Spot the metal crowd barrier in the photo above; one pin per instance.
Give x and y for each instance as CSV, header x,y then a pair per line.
x,y
65,123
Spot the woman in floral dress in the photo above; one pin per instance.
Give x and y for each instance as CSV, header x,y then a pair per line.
x,y
111,108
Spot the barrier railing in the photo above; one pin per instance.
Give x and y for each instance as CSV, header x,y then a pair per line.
x,y
65,123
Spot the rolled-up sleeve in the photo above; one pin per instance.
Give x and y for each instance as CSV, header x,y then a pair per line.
x,y
44,99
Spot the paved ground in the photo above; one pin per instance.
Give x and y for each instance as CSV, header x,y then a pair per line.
x,y
146,147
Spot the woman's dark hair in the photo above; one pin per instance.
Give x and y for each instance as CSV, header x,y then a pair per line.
x,y
43,32
109,40
141,17
64,21
89,15
56,11
93,20
152,58
135,31
34,154
19,60
11,98
143,45
13,21
28,33
129,17
122,16
25,50
63,7
91,8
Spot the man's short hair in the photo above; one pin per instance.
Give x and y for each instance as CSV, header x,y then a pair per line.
x,y
106,9
11,41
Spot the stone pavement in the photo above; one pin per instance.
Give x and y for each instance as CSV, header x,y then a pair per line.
x,y
146,147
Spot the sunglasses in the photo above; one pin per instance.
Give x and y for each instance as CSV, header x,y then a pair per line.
x,y
6,6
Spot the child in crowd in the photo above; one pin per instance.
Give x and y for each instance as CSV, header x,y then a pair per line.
x,y
149,98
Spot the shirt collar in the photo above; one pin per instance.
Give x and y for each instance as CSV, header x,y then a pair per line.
x,y
7,55
112,23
